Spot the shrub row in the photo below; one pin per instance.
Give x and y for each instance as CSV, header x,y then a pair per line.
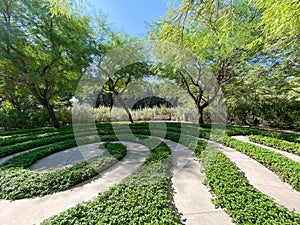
x,y
143,198
232,191
116,150
25,131
287,169
19,147
276,143
17,182
18,140
232,130
38,142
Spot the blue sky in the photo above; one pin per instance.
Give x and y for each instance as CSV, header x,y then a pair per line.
x,y
131,15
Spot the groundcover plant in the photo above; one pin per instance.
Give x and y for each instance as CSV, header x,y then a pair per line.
x,y
146,195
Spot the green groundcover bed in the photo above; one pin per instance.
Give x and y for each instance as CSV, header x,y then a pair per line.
x,y
17,181
146,196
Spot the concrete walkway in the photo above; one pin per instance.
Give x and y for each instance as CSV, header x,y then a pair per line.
x,y
289,155
3,159
33,211
263,179
191,196
67,158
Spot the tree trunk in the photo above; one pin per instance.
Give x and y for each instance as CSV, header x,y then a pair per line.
x,y
44,101
53,117
125,107
200,116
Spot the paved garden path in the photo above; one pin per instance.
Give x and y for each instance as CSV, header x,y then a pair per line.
x,y
3,159
263,179
191,196
289,155
33,211
67,157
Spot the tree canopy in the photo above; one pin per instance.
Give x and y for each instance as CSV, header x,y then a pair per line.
x,y
247,50
45,54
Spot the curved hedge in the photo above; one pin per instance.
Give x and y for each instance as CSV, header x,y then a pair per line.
x,y
233,192
17,182
276,143
142,198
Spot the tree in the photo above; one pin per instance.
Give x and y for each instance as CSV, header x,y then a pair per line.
x,y
118,82
280,21
119,49
45,53
150,102
64,7
219,33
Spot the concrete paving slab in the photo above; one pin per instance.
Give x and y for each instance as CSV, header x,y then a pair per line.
x,y
67,158
3,159
263,179
289,155
191,196
34,211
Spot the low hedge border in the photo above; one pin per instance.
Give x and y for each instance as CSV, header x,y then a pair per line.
x,y
24,146
287,169
231,130
276,143
20,147
19,140
232,191
142,198
17,182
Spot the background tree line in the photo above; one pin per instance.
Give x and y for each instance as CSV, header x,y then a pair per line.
x,y
251,47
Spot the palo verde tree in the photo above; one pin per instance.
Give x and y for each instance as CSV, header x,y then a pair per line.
x,y
44,52
118,81
219,33
280,21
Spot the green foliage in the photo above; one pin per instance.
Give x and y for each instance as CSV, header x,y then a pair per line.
x,y
287,169
116,150
143,198
276,143
14,118
280,21
150,102
234,130
18,182
218,33
19,147
232,191
18,140
267,96
44,54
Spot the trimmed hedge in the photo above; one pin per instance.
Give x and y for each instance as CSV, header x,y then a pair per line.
x,y
232,191
142,198
276,143
232,130
287,169
19,140
20,147
17,182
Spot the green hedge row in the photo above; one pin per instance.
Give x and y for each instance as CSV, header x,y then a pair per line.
x,y
17,182
38,142
19,140
276,143
142,198
20,147
232,191
25,131
287,169
232,130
